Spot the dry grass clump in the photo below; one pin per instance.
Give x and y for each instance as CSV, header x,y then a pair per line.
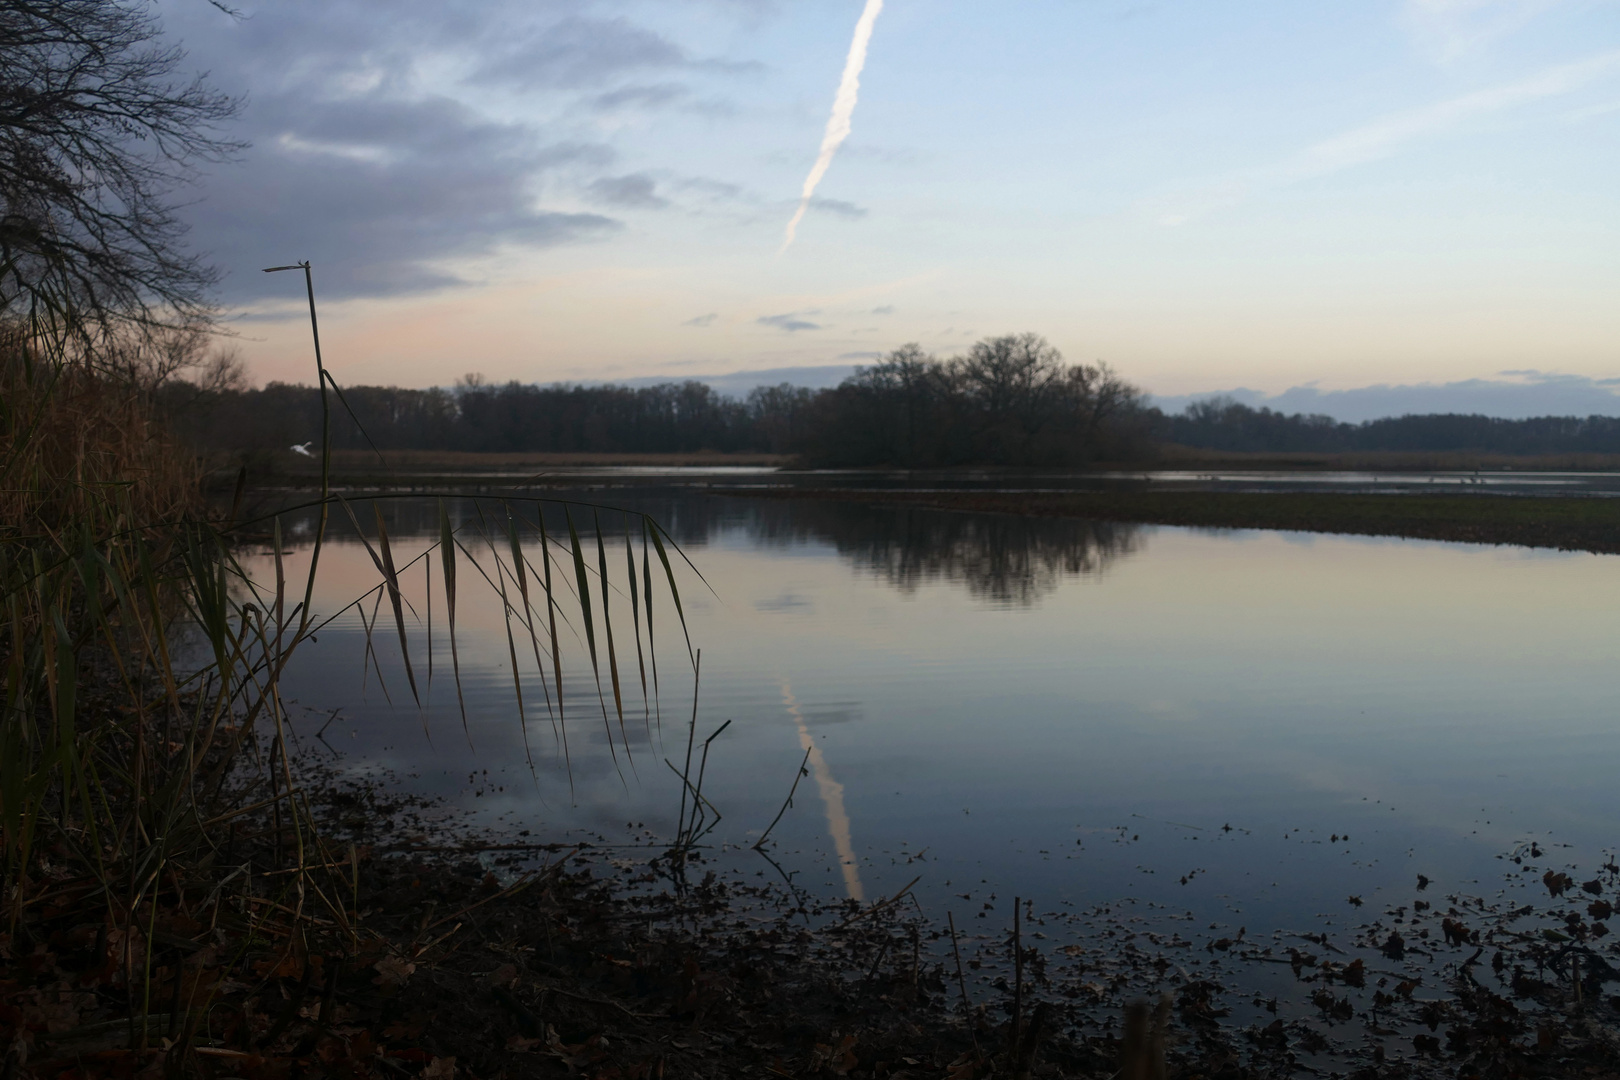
x,y
81,448
129,769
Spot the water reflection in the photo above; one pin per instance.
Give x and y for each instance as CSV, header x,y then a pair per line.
x,y
1000,558
969,692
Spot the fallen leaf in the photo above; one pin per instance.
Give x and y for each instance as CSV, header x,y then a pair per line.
x,y
392,972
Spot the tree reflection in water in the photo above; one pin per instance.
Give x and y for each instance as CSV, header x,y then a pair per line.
x,y
1001,558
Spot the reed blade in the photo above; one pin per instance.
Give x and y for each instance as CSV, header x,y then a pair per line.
x,y
652,645
607,629
391,576
447,561
511,652
520,572
674,590
582,578
384,563
556,651
635,615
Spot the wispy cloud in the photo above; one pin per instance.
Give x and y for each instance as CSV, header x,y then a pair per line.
x,y
1447,30
791,321
838,208
637,190
1385,137
703,320
654,96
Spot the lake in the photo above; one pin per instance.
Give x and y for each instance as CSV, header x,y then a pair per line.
x,y
1235,729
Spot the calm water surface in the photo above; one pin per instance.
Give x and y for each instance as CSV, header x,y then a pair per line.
x,y
1246,726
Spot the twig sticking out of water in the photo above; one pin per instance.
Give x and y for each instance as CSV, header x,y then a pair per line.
x,y
880,905
694,824
800,775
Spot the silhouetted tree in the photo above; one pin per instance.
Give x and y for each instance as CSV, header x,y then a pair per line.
x,y
97,131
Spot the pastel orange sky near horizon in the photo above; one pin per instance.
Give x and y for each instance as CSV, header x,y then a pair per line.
x,y
1204,196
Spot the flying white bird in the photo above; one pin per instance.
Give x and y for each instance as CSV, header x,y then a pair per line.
x,y
302,448
849,88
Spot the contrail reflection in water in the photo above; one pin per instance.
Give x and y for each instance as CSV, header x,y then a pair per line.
x,y
832,797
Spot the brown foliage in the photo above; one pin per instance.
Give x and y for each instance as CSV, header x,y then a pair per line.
x,y
81,447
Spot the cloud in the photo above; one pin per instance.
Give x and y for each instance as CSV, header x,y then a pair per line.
x,y
791,322
655,96
838,208
1386,136
578,51
381,195
860,356
1513,395
637,191
386,150
886,309
717,190
702,320
1383,137
1448,30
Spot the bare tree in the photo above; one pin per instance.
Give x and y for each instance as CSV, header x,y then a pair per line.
x,y
918,381
1016,384
99,130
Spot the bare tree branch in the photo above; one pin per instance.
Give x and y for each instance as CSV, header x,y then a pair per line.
x,y
99,131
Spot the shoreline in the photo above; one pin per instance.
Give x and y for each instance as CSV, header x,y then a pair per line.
x,y
1564,523
576,961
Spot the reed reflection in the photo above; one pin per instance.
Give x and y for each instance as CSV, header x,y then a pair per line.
x,y
999,558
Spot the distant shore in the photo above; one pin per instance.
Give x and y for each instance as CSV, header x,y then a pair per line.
x,y
468,461
1378,461
1569,524
425,467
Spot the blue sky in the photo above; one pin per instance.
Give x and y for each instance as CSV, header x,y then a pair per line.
x,y
1263,194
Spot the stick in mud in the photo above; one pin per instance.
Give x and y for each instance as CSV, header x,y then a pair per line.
x,y
961,982
1017,1032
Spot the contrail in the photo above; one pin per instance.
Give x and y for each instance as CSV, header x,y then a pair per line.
x,y
849,87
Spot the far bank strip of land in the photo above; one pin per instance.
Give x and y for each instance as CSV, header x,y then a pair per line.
x,y
1570,524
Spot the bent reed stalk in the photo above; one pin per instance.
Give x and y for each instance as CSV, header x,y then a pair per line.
x,y
147,789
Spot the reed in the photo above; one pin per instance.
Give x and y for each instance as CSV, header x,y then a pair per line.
x,y
149,789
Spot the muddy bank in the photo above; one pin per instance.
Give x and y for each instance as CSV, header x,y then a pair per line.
x,y
400,946
1569,524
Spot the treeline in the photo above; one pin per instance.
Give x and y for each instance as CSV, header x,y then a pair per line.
x,y
1010,401
1007,401
1225,424
510,417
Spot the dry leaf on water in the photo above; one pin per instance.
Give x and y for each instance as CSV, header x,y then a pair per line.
x,y
392,973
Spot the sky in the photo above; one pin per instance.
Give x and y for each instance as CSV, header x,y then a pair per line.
x,y
1263,194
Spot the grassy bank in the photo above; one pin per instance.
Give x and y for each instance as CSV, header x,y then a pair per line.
x,y
1172,456
1571,524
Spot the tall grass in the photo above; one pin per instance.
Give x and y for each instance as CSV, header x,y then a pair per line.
x,y
128,767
